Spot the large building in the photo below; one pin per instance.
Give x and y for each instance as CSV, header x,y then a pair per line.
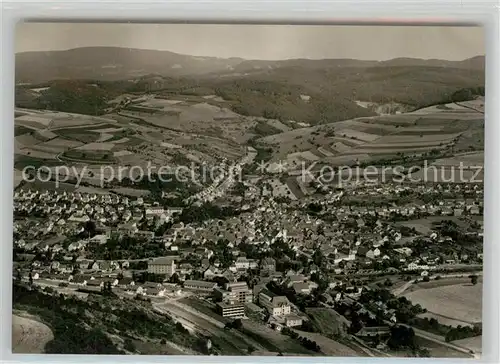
x,y
239,292
274,304
163,265
234,310
234,292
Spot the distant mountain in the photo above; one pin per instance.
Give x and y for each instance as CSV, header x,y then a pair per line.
x,y
114,63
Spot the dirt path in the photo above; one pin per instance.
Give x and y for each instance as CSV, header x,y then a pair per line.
x,y
29,336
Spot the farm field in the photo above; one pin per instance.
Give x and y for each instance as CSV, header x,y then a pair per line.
x,y
20,130
462,302
22,160
131,192
424,226
443,320
470,159
446,281
437,350
36,121
471,343
389,135
448,174
97,147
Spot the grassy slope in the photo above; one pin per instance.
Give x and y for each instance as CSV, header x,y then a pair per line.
x,y
98,325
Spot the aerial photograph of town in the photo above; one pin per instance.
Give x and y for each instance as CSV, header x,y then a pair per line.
x,y
248,190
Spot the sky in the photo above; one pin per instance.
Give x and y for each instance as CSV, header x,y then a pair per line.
x,y
266,42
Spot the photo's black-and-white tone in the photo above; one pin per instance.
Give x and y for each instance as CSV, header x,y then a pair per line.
x,y
248,190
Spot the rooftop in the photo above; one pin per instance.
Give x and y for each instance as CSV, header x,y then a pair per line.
x,y
162,260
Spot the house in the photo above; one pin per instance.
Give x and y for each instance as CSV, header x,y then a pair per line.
x,y
107,266
94,283
368,332
228,275
210,272
275,305
79,280
163,265
474,210
301,288
185,268
268,265
199,285
242,263
126,282
295,278
156,291
99,239
93,266
370,254
293,321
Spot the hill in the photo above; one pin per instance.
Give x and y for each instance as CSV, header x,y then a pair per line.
x,y
300,90
111,63
98,325
115,63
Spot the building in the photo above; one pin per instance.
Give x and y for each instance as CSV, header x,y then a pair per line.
x,y
373,331
200,285
163,265
99,239
242,263
301,288
155,211
268,265
239,292
293,321
234,310
274,304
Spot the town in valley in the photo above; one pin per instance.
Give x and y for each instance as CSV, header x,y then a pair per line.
x,y
297,207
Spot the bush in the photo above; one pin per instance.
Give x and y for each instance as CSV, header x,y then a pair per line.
x,y
129,345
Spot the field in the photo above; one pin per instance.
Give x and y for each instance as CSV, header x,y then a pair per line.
x,y
132,192
201,129
437,350
462,302
424,226
328,321
29,336
388,136
449,174
471,343
20,130
469,159
34,121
